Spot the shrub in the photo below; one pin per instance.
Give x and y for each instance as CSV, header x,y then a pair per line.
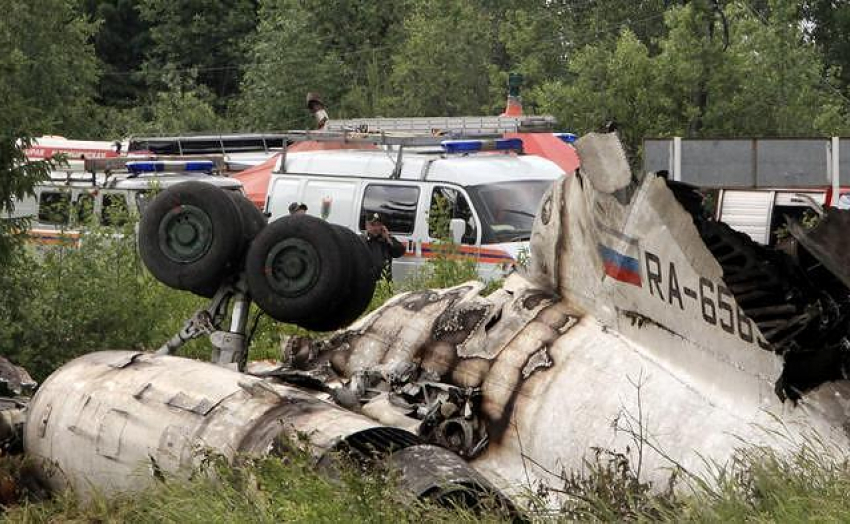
x,y
64,301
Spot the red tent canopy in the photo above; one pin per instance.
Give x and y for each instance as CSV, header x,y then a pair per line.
x,y
549,147
255,180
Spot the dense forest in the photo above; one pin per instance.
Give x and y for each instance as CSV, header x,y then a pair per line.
x,y
111,68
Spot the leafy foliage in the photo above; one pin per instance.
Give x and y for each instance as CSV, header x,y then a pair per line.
x,y
17,180
442,66
286,61
122,41
48,69
737,73
66,301
204,36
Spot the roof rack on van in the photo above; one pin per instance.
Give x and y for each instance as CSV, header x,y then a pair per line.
x,y
378,138
447,143
460,125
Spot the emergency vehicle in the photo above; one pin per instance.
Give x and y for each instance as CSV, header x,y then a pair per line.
x,y
491,189
69,200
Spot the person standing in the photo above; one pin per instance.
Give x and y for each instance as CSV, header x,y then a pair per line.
x,y
316,106
383,247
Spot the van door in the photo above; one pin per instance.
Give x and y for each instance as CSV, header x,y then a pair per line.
x,y
446,203
399,205
283,190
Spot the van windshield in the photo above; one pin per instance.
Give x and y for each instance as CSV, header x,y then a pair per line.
x,y
507,209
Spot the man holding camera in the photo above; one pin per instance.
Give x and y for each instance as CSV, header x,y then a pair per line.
x,y
382,246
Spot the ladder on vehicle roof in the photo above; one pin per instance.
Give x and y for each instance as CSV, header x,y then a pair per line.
x,y
458,125
382,138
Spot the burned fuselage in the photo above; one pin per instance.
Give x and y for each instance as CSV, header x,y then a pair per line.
x,y
639,325
636,326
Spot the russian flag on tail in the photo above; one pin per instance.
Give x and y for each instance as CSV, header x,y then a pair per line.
x,y
619,266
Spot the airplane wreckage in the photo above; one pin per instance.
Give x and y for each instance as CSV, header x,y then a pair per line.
x,y
635,304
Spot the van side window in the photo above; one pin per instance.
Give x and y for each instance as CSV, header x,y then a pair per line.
x,y
446,204
54,207
84,208
143,198
397,204
115,211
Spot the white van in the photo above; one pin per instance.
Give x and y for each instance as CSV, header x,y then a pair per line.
x,y
71,199
493,196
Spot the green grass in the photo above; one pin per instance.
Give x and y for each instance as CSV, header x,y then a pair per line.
x,y
759,485
267,490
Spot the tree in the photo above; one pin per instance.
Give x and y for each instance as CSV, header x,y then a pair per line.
x,y
49,69
205,36
534,45
443,66
754,74
18,178
287,58
828,24
612,81
767,80
121,42
46,77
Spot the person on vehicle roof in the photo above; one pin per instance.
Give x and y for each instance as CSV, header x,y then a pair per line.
x,y
316,106
382,246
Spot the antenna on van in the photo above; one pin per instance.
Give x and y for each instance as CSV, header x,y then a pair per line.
x,y
396,174
283,157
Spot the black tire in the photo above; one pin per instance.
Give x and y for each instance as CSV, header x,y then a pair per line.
x,y
252,221
295,268
190,236
361,286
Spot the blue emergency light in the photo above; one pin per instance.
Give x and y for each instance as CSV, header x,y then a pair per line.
x,y
158,166
567,138
470,146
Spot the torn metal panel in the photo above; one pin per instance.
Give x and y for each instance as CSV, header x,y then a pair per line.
x,y
547,237
14,380
828,242
434,473
604,162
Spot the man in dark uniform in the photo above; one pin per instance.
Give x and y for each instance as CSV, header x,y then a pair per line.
x,y
382,246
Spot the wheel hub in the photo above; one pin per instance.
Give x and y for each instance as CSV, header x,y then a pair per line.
x,y
185,234
292,267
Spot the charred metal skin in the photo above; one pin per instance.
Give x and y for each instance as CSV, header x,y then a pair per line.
x,y
634,308
114,421
444,364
